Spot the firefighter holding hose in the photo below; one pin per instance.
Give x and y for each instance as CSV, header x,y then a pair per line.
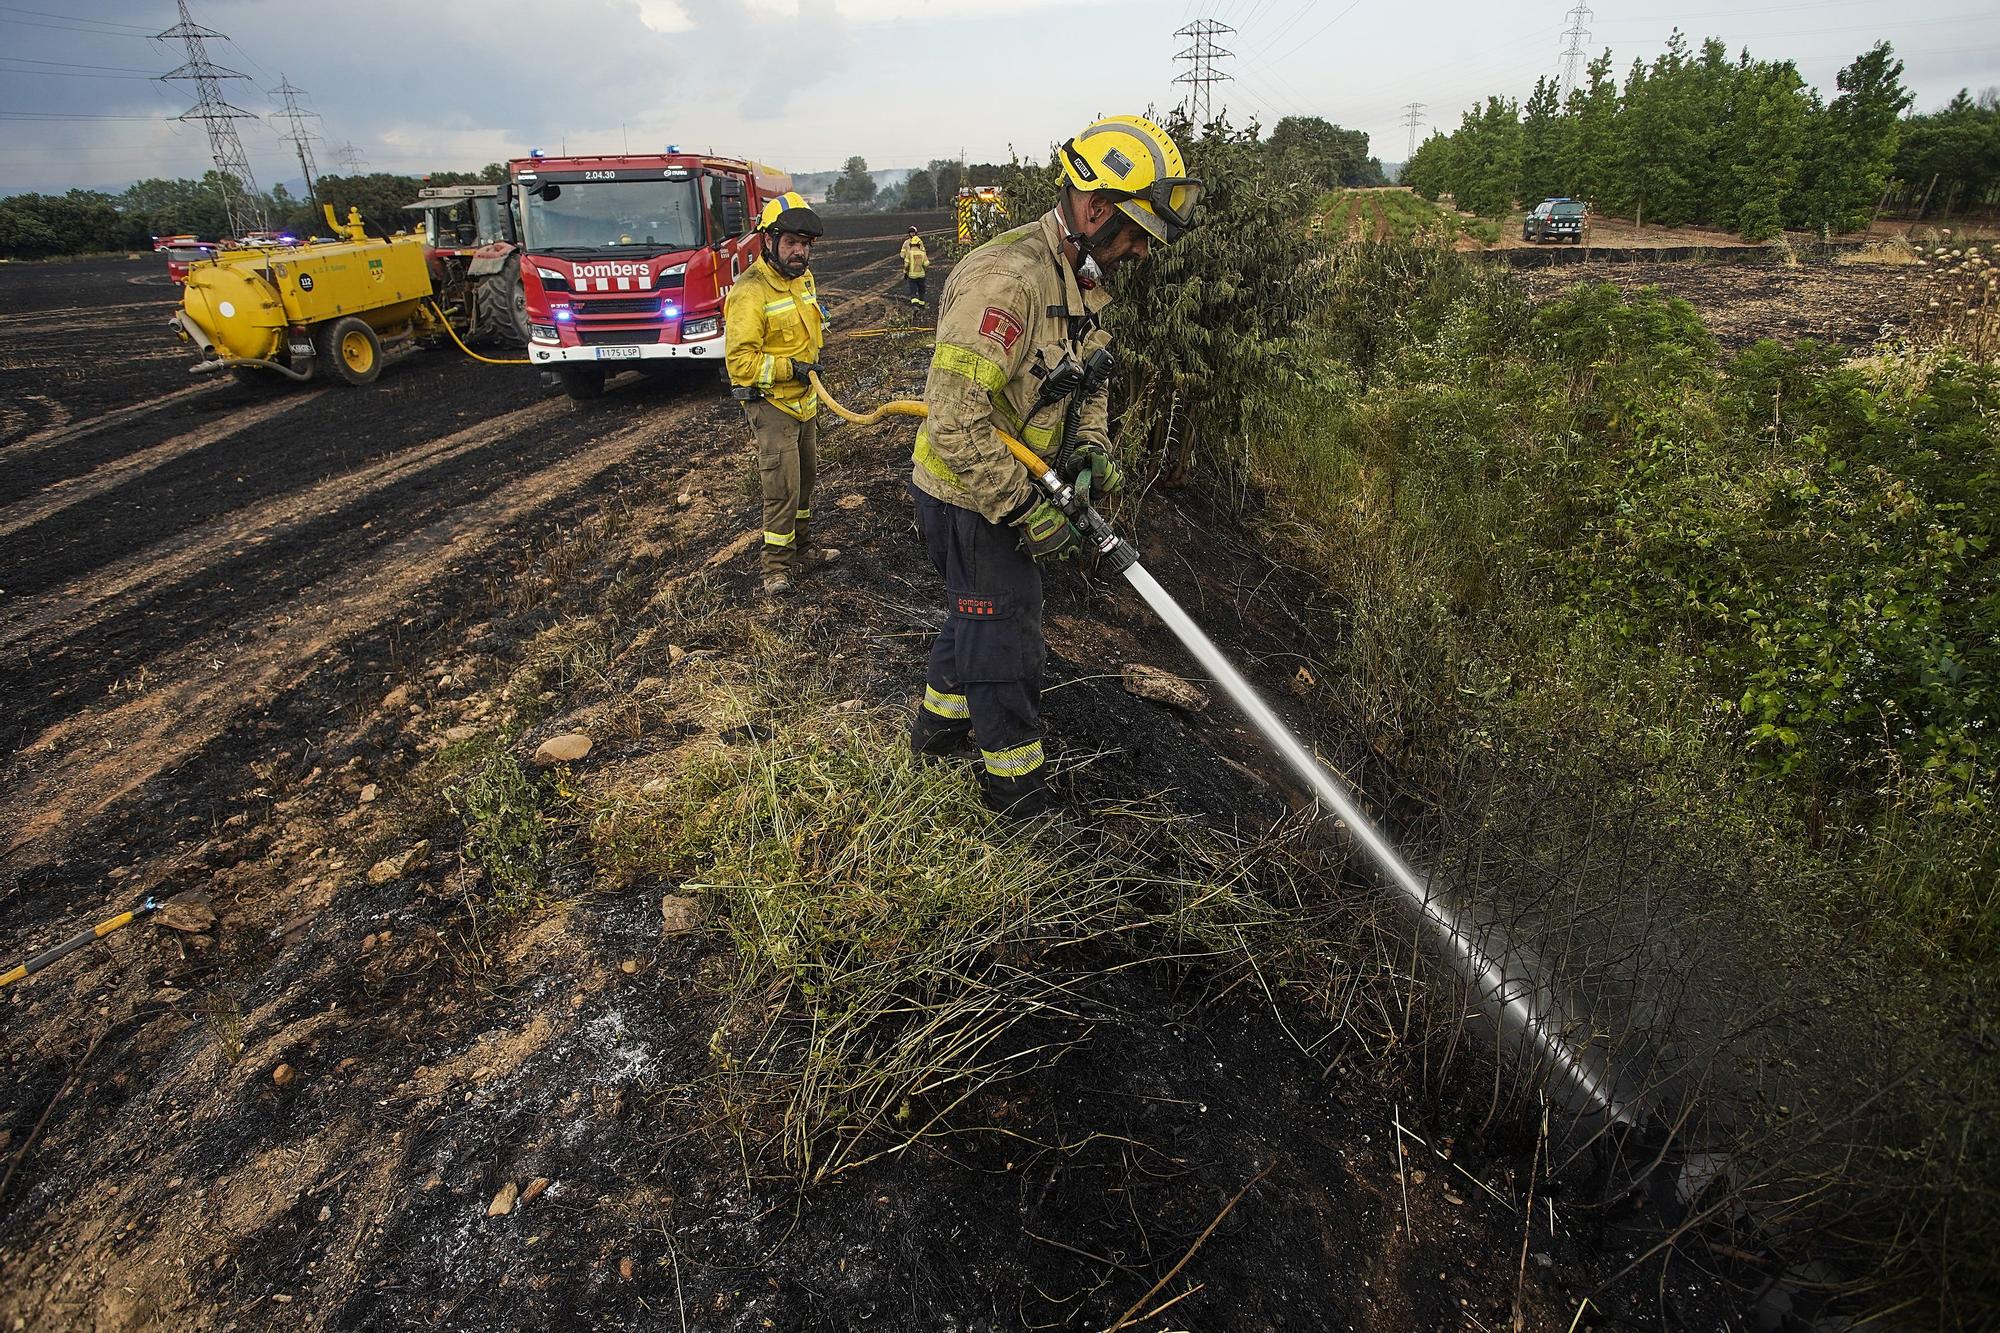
x,y
1019,318
773,330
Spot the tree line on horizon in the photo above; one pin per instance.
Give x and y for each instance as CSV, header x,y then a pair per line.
x,y
1741,145
34,226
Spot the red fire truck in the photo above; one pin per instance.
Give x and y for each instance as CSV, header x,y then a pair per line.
x,y
626,259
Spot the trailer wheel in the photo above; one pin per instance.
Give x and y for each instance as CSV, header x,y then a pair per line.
x,y
582,383
350,350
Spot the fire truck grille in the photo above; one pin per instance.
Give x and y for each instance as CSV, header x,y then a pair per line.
x,y
615,337
643,306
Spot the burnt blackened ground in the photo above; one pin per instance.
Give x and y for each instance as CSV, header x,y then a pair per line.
x,y
435,1053
1849,306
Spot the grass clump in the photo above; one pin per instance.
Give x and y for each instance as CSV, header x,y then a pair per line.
x,y
896,949
508,835
892,942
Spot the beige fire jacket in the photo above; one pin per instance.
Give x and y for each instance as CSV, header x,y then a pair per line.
x,y
1011,309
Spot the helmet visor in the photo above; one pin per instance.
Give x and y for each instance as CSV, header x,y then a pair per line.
x,y
1166,208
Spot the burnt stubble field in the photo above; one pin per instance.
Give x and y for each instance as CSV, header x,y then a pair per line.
x,y
233,620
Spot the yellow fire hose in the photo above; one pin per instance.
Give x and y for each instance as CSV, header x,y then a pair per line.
x,y
910,407
77,941
899,328
511,361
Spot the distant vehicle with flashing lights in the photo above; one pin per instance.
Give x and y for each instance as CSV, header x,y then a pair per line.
x,y
626,259
182,251
1555,220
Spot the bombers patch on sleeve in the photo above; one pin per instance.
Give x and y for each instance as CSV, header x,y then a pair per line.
x,y
1001,327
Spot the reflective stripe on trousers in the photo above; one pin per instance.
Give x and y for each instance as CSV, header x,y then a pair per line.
x,y
984,674
786,455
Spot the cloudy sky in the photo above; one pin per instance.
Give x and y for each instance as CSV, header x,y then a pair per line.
x,y
453,84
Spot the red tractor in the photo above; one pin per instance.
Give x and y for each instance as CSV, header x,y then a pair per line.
x,y
471,243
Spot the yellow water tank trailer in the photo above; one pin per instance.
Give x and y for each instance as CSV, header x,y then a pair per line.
x,y
300,309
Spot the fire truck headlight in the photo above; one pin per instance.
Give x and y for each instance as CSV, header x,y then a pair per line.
x,y
699,328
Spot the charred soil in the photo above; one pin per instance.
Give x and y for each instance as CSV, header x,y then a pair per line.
x,y
235,628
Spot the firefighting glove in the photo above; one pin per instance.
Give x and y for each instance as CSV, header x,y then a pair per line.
x,y
1046,534
1093,469
802,369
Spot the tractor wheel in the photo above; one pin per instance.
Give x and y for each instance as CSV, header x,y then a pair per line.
x,y
503,305
350,351
582,383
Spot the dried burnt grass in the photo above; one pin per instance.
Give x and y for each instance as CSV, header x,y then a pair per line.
x,y
897,982
1590,582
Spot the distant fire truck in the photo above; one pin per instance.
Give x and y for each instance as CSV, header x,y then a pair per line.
x,y
982,212
626,259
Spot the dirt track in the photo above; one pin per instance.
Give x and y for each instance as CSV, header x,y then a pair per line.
x,y
206,594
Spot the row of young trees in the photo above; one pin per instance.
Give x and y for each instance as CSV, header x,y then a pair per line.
x,y
34,226
1950,159
1694,137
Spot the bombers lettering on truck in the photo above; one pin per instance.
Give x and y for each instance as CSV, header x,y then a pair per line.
x,y
591,305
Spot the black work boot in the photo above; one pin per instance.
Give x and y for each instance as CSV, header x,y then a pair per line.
x,y
934,737
1016,798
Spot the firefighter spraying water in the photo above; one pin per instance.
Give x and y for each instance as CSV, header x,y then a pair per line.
x,y
999,484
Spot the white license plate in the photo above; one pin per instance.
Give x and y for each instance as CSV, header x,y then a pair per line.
x,y
302,349
617,354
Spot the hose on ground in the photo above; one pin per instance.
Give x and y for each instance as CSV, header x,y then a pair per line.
x,y
487,360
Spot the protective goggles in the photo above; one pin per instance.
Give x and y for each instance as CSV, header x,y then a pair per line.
x,y
1172,199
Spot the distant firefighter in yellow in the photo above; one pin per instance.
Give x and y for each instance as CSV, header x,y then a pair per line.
x,y
916,260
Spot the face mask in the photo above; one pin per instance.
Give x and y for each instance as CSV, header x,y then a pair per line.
x,y
1089,273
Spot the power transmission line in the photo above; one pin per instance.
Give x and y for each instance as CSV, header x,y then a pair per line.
x,y
298,135
1578,33
131,29
349,158
240,201
1413,116
1201,74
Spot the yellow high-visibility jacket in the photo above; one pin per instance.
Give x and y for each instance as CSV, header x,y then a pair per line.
x,y
1011,310
915,258
768,322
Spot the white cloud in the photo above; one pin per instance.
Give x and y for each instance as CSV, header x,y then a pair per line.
x,y
663,15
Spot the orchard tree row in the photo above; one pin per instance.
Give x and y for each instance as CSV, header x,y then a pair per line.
x,y
1742,145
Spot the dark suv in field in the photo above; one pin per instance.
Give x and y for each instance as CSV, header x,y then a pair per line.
x,y
1554,220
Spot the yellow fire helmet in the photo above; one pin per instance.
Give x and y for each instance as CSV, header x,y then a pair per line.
x,y
788,212
1138,165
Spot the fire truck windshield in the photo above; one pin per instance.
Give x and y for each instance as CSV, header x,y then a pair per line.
x,y
622,215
